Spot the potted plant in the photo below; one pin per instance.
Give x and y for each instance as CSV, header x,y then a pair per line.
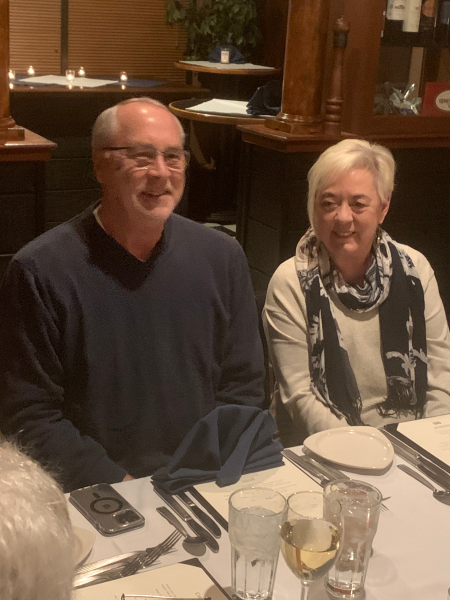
x,y
212,23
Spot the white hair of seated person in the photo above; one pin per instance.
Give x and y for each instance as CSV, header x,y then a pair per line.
x,y
36,537
345,156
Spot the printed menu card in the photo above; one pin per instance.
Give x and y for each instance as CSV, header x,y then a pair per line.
x,y
286,479
431,434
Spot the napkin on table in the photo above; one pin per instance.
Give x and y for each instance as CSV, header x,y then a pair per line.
x,y
227,442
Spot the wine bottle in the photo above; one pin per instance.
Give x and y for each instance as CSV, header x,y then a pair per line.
x,y
395,13
427,22
410,26
443,25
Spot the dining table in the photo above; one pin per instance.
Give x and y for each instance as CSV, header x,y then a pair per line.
x,y
411,549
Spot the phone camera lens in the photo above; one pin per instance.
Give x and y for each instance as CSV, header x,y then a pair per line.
x,y
127,516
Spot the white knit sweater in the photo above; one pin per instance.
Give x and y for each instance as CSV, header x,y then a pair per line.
x,y
285,324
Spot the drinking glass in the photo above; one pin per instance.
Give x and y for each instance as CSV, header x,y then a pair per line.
x,y
255,518
310,537
360,503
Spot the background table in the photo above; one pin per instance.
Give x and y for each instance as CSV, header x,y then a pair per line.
x,y
411,550
232,82
214,170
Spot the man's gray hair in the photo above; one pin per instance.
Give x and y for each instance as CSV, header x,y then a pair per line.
x,y
107,123
36,537
348,155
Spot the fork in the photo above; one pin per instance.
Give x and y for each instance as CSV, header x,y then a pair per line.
x,y
148,558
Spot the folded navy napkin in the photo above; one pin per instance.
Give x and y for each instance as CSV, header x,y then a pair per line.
x,y
266,100
235,55
229,441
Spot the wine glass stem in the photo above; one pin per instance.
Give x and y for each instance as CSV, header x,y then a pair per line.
x,y
304,590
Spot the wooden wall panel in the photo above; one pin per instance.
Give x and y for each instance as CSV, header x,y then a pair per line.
x,y
108,36
35,35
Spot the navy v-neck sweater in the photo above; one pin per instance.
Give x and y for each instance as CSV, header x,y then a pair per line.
x,y
107,362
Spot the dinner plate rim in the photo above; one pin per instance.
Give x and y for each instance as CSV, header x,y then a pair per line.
x,y
341,432
86,539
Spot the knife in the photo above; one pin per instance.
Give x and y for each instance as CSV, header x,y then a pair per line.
x,y
200,514
210,541
314,467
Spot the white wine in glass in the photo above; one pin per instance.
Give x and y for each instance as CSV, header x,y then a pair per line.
x,y
310,537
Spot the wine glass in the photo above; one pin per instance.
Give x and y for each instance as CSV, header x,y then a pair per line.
x,y
310,537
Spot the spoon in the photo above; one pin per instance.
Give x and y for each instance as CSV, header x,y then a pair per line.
x,y
441,495
193,544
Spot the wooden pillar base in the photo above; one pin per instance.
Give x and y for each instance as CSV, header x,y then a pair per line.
x,y
294,124
12,134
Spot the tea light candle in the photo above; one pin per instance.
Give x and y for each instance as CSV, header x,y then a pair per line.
x,y
12,74
123,76
30,70
70,75
81,72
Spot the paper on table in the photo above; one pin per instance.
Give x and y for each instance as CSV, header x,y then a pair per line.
x,y
178,581
432,434
216,105
236,66
286,479
61,80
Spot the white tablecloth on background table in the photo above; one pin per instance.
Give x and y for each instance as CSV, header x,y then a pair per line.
x,y
411,558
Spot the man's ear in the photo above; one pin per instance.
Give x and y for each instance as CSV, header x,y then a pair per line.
x,y
385,208
97,163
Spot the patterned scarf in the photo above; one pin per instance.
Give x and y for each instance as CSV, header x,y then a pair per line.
x,y
391,284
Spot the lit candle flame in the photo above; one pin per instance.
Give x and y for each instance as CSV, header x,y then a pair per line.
x,y
123,76
81,72
30,70
11,74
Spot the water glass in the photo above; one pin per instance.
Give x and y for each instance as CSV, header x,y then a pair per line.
x,y
361,504
254,521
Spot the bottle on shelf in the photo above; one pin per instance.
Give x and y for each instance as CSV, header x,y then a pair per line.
x,y
427,22
411,22
395,13
442,36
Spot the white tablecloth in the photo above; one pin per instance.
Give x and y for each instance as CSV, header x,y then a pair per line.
x,y
411,557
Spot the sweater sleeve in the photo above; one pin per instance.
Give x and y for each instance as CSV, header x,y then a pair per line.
x,y
32,400
242,368
438,344
286,331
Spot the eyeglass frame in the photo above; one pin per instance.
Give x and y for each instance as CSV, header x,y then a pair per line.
x,y
185,154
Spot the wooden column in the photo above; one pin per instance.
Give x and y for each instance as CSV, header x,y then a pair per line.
x,y
8,128
304,67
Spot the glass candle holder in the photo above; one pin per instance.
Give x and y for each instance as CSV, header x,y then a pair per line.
x,y
70,75
11,74
123,76
30,71
81,72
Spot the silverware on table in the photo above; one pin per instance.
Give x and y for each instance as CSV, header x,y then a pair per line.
x,y
321,473
116,571
169,516
441,495
140,562
200,514
108,563
210,541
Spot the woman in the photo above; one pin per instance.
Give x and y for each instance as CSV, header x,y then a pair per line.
x,y
356,329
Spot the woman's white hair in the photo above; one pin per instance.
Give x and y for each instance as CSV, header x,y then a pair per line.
x,y
36,537
348,155
107,123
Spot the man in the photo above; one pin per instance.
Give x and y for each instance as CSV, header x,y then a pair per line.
x,y
120,329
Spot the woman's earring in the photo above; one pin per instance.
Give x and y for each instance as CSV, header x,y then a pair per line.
x,y
378,235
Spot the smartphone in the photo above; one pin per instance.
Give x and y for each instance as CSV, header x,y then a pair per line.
x,y
106,509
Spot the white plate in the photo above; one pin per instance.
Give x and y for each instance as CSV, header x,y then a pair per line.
x,y
84,541
357,447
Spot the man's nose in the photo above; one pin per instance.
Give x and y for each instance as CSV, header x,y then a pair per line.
x,y
158,167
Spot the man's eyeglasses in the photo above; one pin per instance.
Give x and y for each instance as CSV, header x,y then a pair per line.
x,y
143,157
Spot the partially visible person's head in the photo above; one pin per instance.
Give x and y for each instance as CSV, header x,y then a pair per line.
x,y
36,538
135,145
346,156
